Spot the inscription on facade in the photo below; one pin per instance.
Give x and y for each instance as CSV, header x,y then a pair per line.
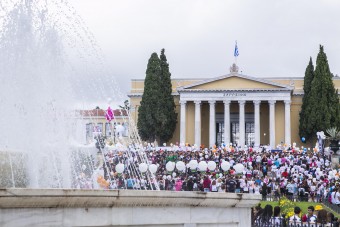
x,y
234,94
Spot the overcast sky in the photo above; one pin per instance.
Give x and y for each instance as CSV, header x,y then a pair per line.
x,y
275,38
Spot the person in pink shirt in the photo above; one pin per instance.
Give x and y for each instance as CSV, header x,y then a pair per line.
x,y
178,184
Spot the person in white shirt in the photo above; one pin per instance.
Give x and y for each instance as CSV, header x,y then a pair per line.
x,y
336,197
295,218
257,189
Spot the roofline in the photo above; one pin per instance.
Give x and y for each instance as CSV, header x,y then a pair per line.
x,y
263,77
227,90
237,75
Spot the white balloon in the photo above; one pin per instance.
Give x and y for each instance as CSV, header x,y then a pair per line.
x,y
174,174
143,167
239,168
211,165
153,168
170,166
225,166
120,168
193,164
202,166
180,166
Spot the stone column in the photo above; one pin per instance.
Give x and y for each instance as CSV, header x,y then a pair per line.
x,y
226,122
257,122
212,124
272,123
287,122
242,124
198,123
183,124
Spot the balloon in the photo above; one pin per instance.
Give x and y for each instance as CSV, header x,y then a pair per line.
x,y
193,164
153,168
120,168
164,144
143,167
239,168
83,167
211,165
180,166
202,166
303,139
170,166
174,174
225,166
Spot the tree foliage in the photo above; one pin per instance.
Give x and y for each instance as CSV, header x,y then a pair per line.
x,y
167,118
157,118
304,129
148,110
322,107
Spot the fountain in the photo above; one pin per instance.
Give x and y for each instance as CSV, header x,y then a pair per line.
x,y
50,65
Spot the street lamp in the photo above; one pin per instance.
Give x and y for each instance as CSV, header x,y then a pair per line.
x,y
321,137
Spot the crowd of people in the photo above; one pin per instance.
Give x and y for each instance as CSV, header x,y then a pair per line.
x,y
315,217
295,173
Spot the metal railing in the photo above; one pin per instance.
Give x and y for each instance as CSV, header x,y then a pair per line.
x,y
289,222
332,206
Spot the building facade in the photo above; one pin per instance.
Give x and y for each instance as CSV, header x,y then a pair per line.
x,y
96,122
234,108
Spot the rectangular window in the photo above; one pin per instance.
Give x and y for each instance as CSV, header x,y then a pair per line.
x,y
89,132
219,133
250,133
235,133
100,127
108,129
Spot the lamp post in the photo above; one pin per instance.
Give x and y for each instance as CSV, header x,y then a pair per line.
x,y
321,137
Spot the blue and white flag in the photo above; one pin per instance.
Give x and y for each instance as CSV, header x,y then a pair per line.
x,y
236,50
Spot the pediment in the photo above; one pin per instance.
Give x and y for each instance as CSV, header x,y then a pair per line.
x,y
236,82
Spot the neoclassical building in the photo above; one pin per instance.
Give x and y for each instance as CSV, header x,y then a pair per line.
x,y
234,108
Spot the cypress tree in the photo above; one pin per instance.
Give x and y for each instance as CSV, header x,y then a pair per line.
x,y
148,110
167,117
324,107
304,129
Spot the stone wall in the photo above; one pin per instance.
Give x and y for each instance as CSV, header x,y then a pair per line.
x,y
58,207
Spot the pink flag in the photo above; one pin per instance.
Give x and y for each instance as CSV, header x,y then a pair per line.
x,y
109,114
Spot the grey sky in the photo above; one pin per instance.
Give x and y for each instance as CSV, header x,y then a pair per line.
x,y
275,38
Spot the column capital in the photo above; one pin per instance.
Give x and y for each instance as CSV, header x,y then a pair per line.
x,y
182,102
198,102
256,102
241,102
212,102
271,102
227,101
288,102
